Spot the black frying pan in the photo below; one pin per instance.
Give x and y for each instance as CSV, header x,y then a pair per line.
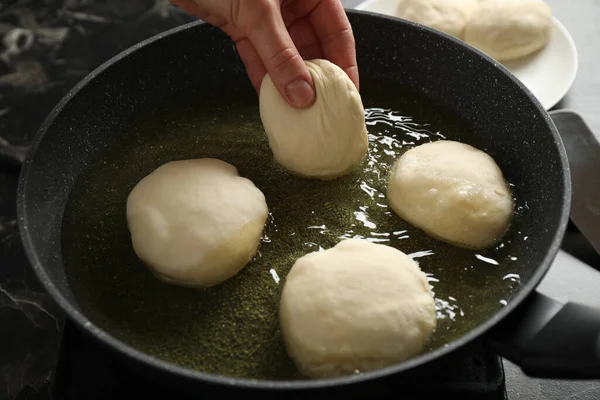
x,y
119,123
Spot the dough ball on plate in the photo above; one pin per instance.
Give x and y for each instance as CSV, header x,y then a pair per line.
x,y
325,140
449,16
196,222
453,191
509,29
357,306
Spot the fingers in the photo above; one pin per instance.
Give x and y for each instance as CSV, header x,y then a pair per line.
x,y
319,29
273,43
190,7
307,42
335,33
254,65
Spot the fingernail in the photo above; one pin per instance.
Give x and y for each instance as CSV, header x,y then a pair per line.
x,y
300,93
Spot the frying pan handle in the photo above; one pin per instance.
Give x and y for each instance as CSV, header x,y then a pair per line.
x,y
583,153
548,339
12,156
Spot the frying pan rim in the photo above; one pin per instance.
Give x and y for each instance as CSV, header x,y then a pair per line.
x,y
163,366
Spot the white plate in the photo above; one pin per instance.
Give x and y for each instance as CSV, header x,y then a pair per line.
x,y
548,74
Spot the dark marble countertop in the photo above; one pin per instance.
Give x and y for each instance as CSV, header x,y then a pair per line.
x,y
47,46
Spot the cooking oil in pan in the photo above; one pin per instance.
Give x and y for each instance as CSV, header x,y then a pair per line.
x,y
233,329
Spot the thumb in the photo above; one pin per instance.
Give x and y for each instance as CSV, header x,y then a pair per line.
x,y
278,53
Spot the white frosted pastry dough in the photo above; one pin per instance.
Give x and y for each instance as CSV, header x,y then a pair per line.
x,y
449,16
196,222
453,192
509,29
325,140
358,306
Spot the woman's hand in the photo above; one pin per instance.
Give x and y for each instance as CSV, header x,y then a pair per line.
x,y
274,37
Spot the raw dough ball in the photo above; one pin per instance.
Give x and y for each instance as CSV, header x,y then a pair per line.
x,y
358,306
452,191
509,29
196,222
448,16
325,140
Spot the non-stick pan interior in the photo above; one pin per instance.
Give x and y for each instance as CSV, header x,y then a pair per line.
x,y
439,86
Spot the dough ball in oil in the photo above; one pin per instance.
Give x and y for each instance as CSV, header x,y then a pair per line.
x,y
454,192
358,306
196,222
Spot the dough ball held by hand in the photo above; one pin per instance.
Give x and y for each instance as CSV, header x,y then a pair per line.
x,y
358,306
449,16
323,141
196,222
452,191
509,29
